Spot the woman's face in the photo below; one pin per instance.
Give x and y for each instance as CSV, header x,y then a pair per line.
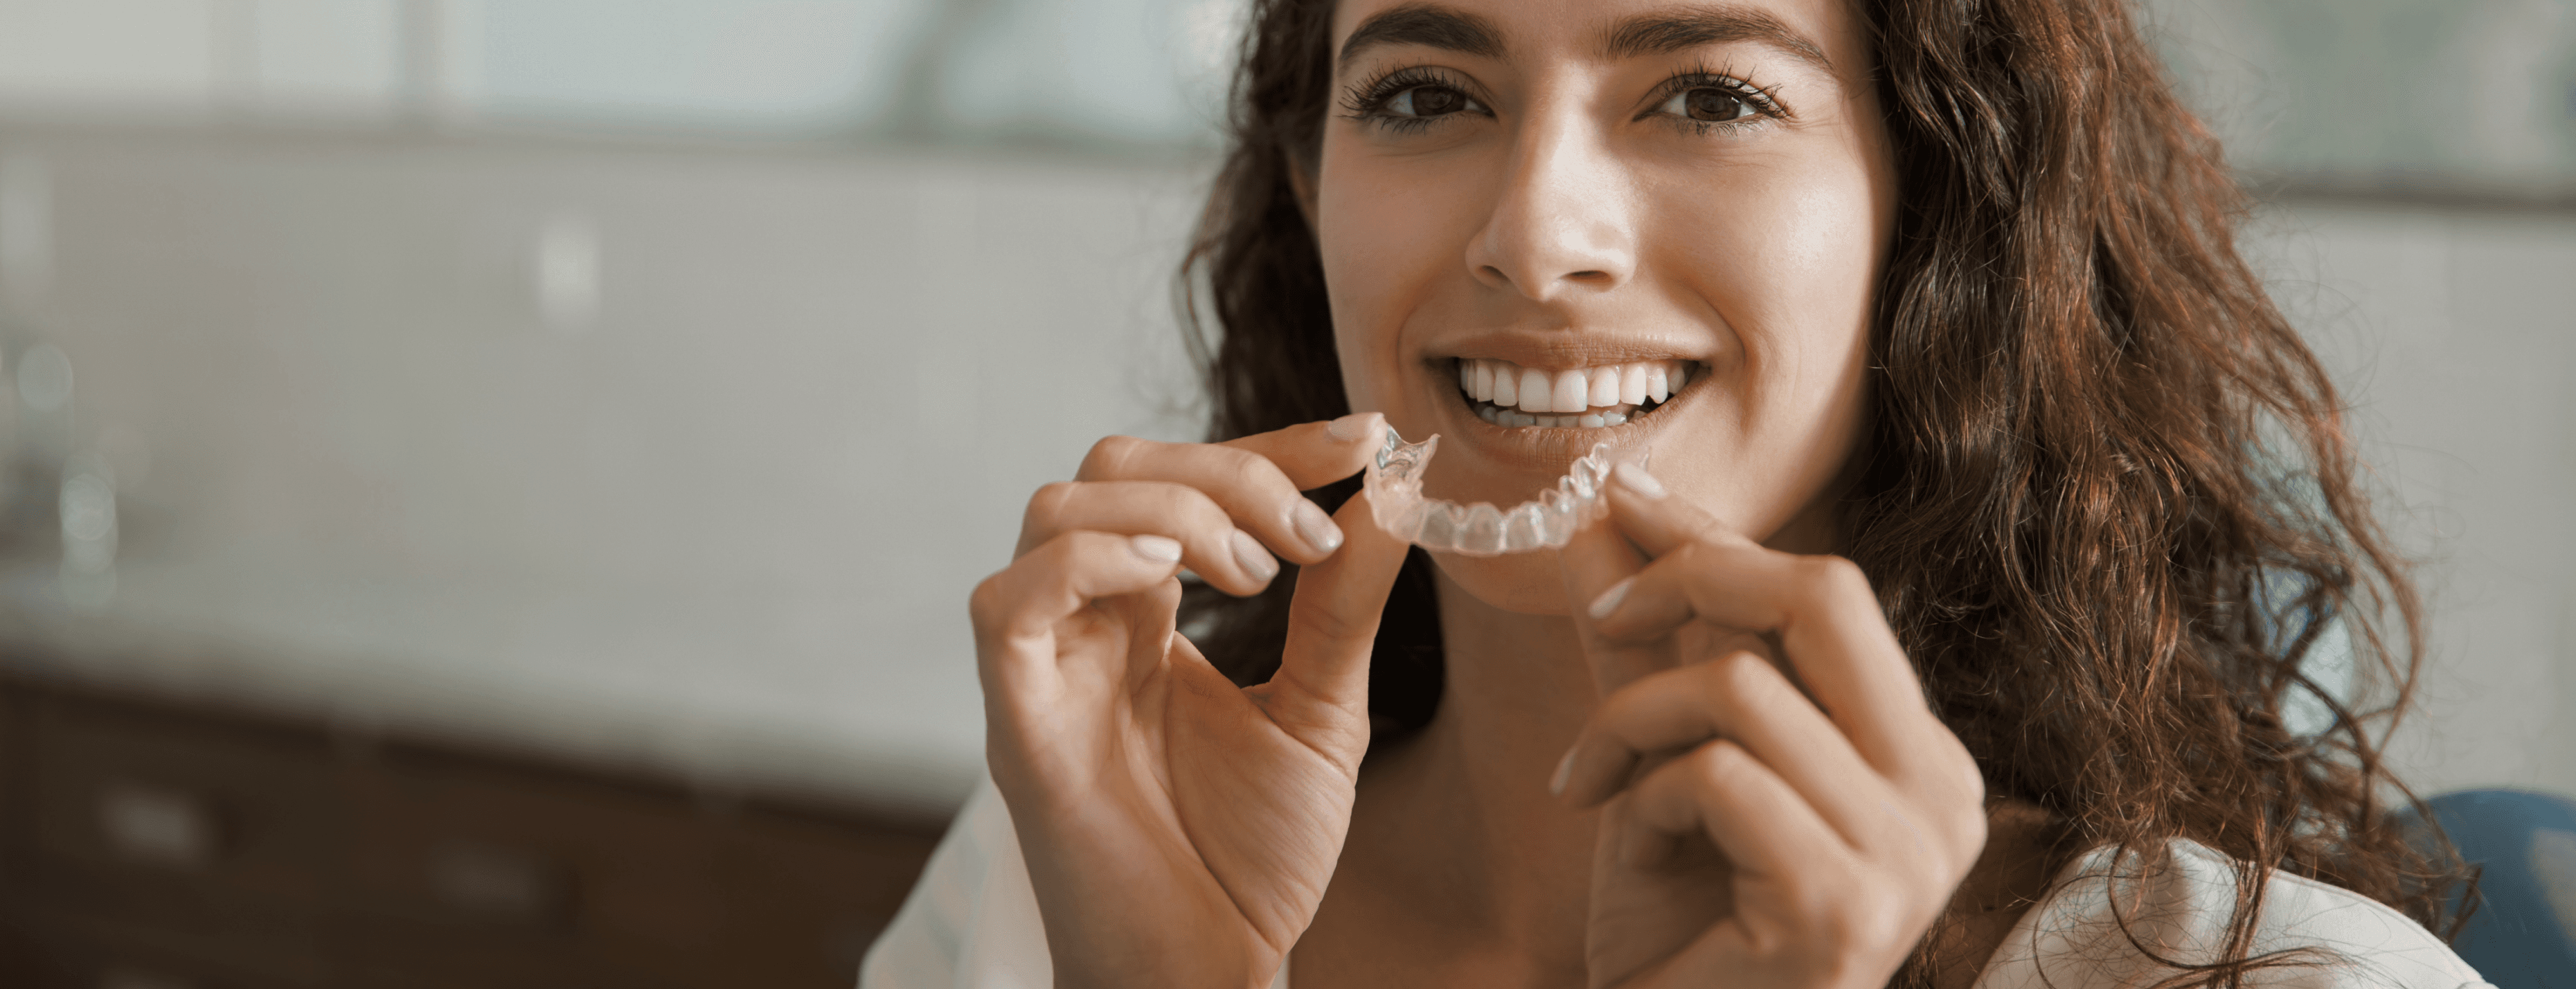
x,y
1539,188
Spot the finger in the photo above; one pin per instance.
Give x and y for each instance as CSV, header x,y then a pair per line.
x,y
1332,621
1211,546
1741,698
1719,789
1255,479
1645,512
1315,454
1596,565
1831,631
1015,611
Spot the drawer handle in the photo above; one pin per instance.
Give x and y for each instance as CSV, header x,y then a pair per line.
x,y
158,825
504,884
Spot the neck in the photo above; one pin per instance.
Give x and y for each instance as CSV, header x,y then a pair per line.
x,y
1485,847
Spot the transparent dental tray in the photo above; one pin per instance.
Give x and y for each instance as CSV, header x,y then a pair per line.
x,y
1394,485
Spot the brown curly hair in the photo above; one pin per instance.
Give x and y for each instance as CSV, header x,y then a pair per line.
x,y
2109,504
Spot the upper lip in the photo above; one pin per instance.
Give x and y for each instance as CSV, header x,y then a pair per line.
x,y
1565,351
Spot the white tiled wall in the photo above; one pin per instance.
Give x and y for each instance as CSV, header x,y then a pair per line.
x,y
723,515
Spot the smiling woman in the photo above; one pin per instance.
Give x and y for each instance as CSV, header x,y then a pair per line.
x,y
1936,649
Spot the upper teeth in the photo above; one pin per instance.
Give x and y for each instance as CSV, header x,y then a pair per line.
x,y
1583,389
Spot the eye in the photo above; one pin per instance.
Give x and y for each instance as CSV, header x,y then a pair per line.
x,y
1428,101
1706,105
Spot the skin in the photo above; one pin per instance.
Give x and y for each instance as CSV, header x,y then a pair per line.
x,y
1752,789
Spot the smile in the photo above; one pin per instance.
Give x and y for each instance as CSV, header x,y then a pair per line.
x,y
1509,395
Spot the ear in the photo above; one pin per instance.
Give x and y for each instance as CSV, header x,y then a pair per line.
x,y
1301,182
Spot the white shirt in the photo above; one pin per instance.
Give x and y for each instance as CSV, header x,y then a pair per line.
x,y
972,923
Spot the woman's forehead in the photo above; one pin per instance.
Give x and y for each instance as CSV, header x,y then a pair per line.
x,y
1821,33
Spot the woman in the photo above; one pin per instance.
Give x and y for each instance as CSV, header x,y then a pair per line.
x,y
1944,639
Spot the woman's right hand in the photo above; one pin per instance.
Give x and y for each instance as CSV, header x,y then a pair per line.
x,y
1180,830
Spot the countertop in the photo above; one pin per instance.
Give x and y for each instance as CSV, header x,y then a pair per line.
x,y
659,687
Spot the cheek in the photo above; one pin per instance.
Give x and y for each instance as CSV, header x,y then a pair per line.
x,y
1786,257
1389,235
1790,260
1790,255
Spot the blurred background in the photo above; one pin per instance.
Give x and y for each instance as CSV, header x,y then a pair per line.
x,y
488,488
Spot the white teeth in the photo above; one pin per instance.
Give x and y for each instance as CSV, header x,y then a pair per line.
x,y
1572,391
1535,391
1516,395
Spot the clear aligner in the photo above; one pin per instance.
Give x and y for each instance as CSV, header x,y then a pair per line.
x,y
1394,486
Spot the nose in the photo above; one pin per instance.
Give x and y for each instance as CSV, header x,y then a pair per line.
x,y
1562,222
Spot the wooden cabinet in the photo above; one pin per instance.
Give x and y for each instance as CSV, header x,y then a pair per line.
x,y
148,845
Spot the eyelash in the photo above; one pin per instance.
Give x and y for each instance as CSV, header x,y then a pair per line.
x,y
1765,103
1367,101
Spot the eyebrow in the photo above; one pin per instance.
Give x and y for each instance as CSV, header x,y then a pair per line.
x,y
1684,28
1427,25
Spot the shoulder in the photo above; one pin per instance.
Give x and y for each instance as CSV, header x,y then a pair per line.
x,y
2180,908
972,919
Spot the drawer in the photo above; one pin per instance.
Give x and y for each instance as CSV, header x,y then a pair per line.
x,y
806,896
193,825
146,846
467,869
102,953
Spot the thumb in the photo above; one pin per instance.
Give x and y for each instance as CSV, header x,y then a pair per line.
x,y
1332,621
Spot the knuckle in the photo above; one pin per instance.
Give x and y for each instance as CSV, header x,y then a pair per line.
x,y
1833,575
1970,827
1196,508
1740,673
1048,501
1109,457
1850,918
986,605
1329,625
1875,921
1720,762
1246,469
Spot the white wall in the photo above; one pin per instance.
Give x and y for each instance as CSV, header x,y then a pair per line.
x,y
720,514
2453,336
729,508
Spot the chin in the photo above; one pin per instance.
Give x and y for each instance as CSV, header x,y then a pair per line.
x,y
1522,583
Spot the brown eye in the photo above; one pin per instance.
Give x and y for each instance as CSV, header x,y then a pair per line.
x,y
1714,105
1428,101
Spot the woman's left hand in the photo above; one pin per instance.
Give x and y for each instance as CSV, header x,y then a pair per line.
x,y
1753,833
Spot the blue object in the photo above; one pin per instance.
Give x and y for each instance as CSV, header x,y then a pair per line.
x,y
2524,933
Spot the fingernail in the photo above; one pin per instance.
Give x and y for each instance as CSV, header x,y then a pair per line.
x,y
1354,426
1160,549
1635,478
1315,527
1609,600
1564,772
1256,561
